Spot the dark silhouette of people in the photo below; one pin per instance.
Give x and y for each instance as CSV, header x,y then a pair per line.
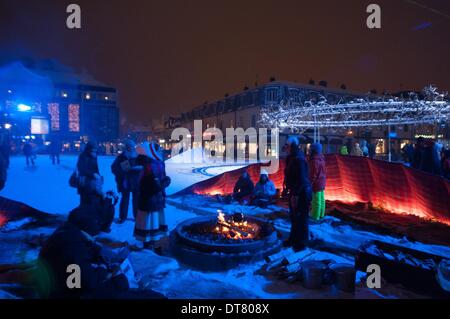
x,y
300,195
243,188
445,162
74,244
87,167
426,157
28,152
55,151
127,169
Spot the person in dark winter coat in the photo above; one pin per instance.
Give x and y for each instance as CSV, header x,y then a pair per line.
x,y
87,167
126,169
28,152
371,150
243,188
55,150
445,162
300,195
317,176
426,157
74,244
3,171
152,195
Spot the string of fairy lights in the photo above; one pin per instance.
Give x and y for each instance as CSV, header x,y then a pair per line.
x,y
434,107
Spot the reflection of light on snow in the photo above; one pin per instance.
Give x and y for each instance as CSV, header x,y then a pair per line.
x,y
3,220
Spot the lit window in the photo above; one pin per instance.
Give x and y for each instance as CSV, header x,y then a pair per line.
x,y
53,111
74,117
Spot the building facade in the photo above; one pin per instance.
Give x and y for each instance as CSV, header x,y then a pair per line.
x,y
242,110
45,100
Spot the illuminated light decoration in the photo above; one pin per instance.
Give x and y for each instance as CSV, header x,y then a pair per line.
x,y
106,98
53,111
8,126
27,137
369,112
10,91
64,94
88,96
353,179
74,117
23,108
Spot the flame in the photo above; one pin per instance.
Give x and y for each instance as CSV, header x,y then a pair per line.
x,y
234,230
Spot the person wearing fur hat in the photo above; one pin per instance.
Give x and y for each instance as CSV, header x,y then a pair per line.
x,y
298,187
152,196
127,169
317,176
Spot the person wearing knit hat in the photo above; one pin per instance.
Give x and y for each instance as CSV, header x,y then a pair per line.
x,y
317,176
152,196
127,169
264,190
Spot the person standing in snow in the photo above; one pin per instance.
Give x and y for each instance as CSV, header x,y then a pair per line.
x,y
356,150
343,150
300,195
127,170
152,195
28,152
243,188
317,176
364,148
264,190
87,167
55,150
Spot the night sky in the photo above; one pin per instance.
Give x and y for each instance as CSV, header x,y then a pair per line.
x,y
165,57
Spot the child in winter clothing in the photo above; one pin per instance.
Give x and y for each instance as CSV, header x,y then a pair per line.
x,y
317,177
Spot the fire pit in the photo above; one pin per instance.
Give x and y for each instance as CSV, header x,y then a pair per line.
x,y
223,241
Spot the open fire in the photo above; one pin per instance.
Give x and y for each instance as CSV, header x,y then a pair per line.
x,y
235,227
223,241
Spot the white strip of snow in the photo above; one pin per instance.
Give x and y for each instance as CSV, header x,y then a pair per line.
x,y
46,187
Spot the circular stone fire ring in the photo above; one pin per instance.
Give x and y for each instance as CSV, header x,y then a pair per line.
x,y
196,242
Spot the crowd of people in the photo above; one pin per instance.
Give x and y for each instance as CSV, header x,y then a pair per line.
x,y
141,180
140,174
304,185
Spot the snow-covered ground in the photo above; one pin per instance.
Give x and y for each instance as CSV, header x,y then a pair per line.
x,y
46,186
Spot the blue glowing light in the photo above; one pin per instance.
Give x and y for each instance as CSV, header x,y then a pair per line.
x,y
23,108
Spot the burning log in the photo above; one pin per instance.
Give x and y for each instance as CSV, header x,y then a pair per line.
x,y
235,229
